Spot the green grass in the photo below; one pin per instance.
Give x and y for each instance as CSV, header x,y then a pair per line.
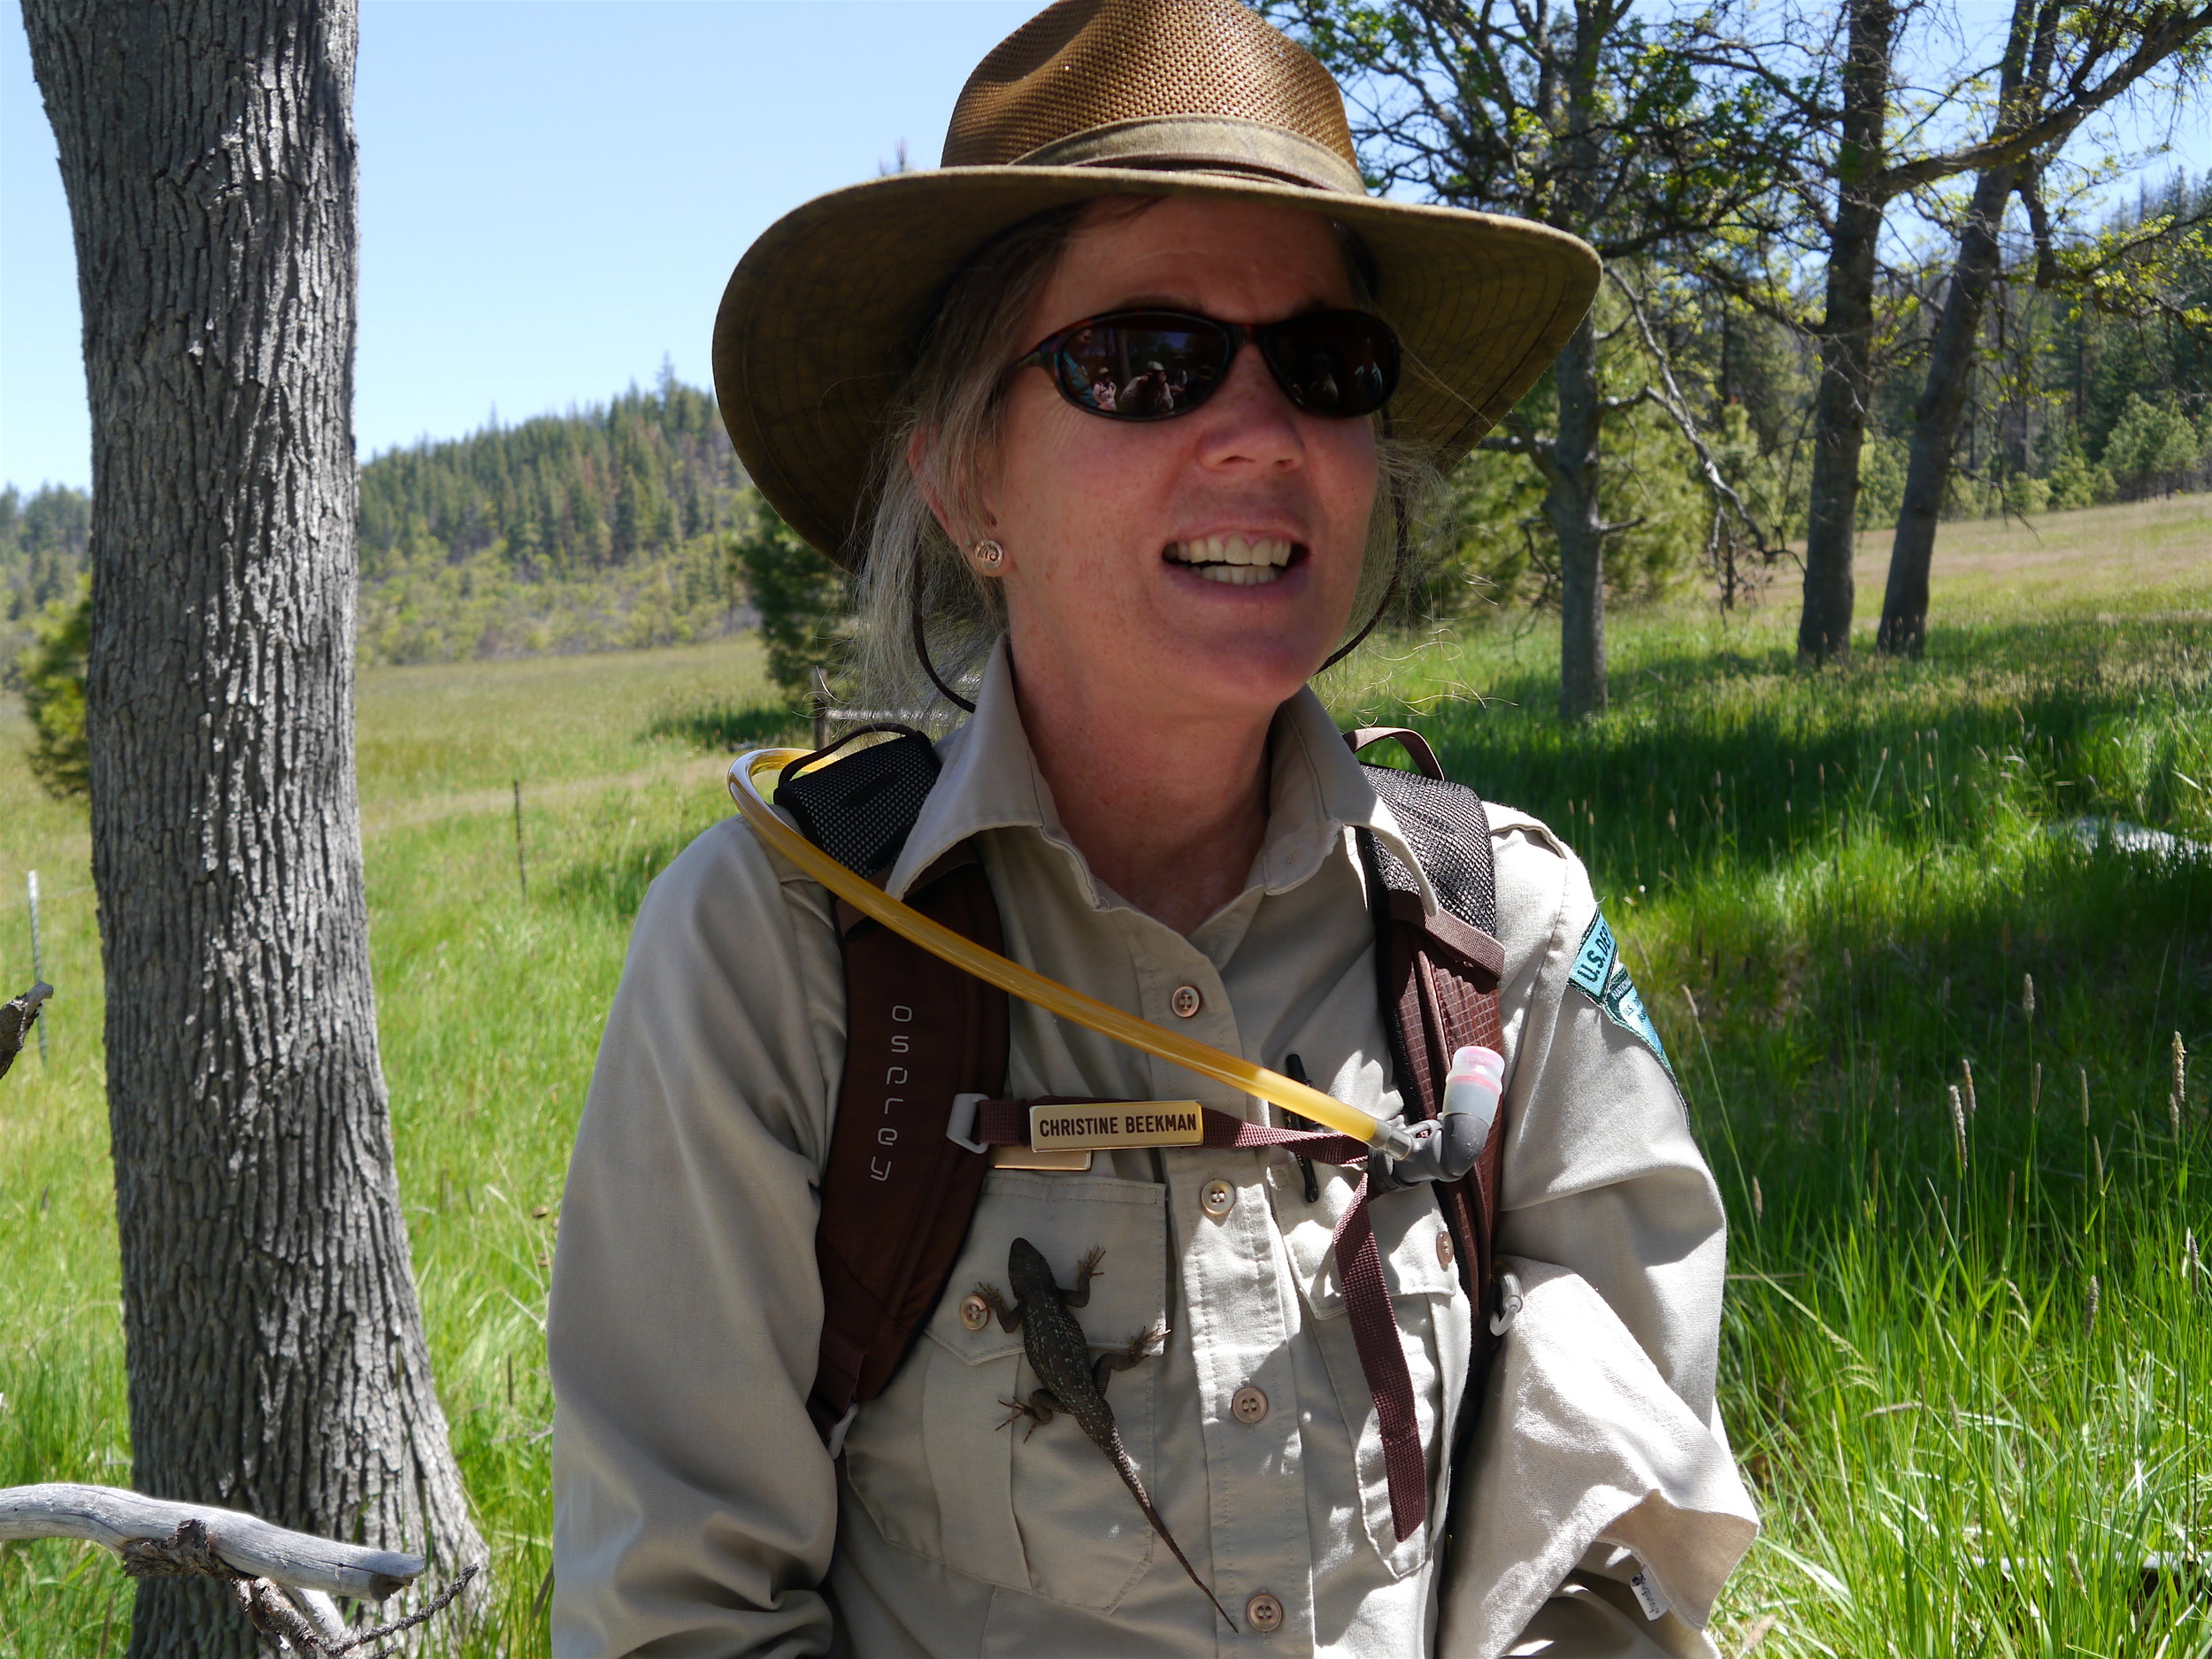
x,y
489,1006
1833,889
1837,889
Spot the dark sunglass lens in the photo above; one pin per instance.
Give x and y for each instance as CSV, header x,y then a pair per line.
x,y
1143,367
1338,363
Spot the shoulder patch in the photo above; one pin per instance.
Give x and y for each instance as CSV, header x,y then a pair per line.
x,y
1600,974
1595,960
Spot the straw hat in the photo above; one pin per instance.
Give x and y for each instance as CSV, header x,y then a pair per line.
x,y
821,321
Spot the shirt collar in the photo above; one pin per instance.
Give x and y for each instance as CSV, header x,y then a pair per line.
x,y
1318,790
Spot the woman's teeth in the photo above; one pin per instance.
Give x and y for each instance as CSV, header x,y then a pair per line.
x,y
1239,560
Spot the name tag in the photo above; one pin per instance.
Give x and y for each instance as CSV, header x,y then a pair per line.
x,y
1117,1124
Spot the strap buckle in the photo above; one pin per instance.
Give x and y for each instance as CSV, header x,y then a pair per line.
x,y
960,1130
960,1125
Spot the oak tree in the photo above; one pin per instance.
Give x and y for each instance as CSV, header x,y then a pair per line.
x,y
1578,115
275,1347
1865,135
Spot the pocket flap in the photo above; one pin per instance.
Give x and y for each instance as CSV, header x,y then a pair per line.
x,y
1066,1217
1408,1226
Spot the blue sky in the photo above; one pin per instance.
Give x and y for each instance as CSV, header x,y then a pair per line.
x,y
552,191
552,194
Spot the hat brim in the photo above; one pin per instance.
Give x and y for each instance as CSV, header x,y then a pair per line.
x,y
819,323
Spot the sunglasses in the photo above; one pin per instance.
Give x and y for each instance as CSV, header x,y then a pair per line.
x,y
1156,365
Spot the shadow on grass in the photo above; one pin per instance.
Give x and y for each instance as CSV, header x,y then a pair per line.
x,y
1846,874
725,729
1737,759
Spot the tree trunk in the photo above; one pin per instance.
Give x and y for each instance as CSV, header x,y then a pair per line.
x,y
1847,345
275,1347
1570,502
1572,507
1904,630
2023,79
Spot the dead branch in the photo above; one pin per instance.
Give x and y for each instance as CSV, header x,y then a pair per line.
x,y
246,1545
278,1612
16,1021
283,1579
1668,398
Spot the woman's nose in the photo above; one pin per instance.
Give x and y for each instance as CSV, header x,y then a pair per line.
x,y
1250,422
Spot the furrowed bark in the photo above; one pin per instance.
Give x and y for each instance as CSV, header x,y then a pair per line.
x,y
275,1347
1847,343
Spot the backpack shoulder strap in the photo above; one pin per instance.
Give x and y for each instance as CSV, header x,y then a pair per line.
x,y
1437,975
897,1193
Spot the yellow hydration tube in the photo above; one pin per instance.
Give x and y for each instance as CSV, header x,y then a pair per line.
x,y
1032,986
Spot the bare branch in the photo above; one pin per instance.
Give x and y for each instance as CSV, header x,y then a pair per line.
x,y
247,1544
2005,147
1744,293
1519,438
1671,402
16,1019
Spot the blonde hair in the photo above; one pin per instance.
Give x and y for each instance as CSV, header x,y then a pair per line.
x,y
927,622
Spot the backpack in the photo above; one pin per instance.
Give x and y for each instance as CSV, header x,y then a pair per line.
x,y
898,1187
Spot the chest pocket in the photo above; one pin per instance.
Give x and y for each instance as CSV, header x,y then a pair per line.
x,y
1045,1514
1432,1312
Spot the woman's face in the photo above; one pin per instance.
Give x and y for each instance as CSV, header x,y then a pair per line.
x,y
1118,533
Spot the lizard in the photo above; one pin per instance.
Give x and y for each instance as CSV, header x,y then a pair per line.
x,y
1060,1354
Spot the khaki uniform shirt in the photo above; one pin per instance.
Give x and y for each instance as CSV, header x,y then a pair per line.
x,y
697,1512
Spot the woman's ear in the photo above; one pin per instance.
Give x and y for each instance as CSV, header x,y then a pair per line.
x,y
919,454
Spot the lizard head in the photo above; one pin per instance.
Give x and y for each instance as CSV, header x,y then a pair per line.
x,y
1031,1273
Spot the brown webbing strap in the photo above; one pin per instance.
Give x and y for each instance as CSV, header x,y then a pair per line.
x,y
896,1194
1438,977
1438,1009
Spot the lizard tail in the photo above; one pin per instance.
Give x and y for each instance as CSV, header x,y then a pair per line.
x,y
1136,1488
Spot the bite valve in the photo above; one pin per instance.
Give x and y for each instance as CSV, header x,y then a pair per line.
x,y
1444,1148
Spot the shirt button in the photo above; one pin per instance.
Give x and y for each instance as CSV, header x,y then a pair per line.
x,y
1186,1001
975,1313
1265,1614
1443,1249
1216,1198
1248,1404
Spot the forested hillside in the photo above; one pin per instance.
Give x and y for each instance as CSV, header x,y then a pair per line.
x,y
595,529
41,552
601,529
2082,397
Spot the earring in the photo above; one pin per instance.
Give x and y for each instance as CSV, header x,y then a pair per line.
x,y
987,556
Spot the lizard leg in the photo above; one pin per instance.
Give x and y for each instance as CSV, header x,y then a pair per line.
x,y
1039,1409
1085,1271
1139,1349
1008,1318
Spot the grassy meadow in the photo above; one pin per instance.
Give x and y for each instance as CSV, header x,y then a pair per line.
x,y
1969,1350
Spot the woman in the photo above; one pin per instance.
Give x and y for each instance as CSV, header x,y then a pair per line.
x,y
1132,599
